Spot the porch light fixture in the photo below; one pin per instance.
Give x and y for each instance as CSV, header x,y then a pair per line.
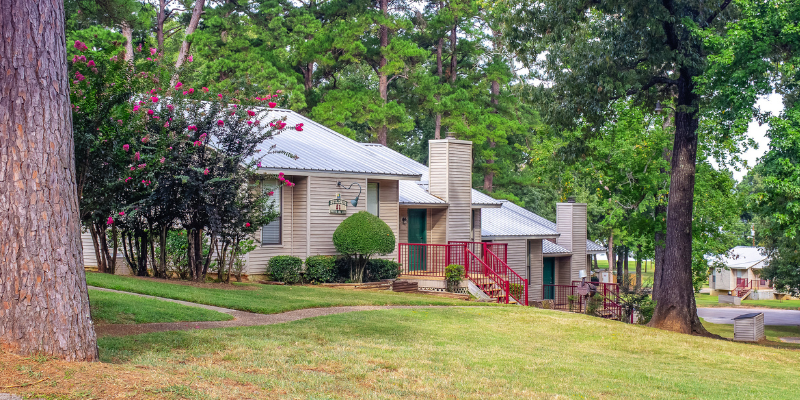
x,y
354,202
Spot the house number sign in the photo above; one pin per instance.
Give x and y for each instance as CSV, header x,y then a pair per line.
x,y
337,205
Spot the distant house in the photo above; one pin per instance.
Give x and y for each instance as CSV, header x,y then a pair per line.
x,y
739,274
435,214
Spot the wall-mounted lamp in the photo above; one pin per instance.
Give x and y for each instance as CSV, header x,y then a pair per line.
x,y
404,220
355,201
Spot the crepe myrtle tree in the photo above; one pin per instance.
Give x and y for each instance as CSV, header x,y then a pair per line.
x,y
361,236
195,155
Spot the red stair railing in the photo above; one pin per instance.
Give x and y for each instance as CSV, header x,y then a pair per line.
x,y
483,276
518,286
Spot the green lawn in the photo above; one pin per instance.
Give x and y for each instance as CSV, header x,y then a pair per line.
x,y
117,308
465,353
267,299
647,276
705,300
773,333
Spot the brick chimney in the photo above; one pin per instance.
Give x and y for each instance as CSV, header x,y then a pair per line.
x,y
450,169
571,224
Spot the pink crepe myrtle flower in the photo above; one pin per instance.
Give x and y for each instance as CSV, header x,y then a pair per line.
x,y
110,221
192,127
205,89
152,91
142,166
205,171
121,213
153,51
185,92
154,99
281,174
149,59
79,76
136,108
150,112
198,143
80,46
139,47
269,96
170,107
272,104
163,159
190,59
127,179
90,63
156,117
136,156
249,122
298,127
75,59
145,139
133,168
247,224
126,147
270,193
279,91
145,182
220,123
178,85
259,164
203,136
170,147
166,124
191,90
251,113
119,121
141,103
220,95
95,70
257,122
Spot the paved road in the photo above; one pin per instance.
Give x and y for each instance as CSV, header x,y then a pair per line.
x,y
771,316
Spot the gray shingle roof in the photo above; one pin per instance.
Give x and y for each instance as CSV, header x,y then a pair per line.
x,y
505,221
320,149
549,247
593,247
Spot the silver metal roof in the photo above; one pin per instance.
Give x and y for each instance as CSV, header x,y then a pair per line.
x,y
505,222
399,159
412,193
481,199
591,246
549,247
320,149
745,257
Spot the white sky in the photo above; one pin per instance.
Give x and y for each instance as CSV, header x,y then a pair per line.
x,y
772,103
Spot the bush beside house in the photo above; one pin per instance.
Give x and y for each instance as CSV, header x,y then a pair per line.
x,y
361,236
285,269
320,269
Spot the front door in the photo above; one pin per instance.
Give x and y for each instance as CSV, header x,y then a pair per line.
x,y
549,278
417,233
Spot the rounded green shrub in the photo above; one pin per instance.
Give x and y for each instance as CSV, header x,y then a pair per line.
x,y
285,269
320,269
361,236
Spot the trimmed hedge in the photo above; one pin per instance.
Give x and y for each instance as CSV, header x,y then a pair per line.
x,y
364,234
285,269
379,269
320,269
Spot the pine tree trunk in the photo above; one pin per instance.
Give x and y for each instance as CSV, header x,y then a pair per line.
x,y
676,309
437,134
488,177
44,305
383,79
127,33
193,22
160,18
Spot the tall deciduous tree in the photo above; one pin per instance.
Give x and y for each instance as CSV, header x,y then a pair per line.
x,y
598,52
45,303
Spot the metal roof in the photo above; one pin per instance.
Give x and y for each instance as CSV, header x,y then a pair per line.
x,y
505,222
412,193
549,247
397,158
591,246
745,257
320,149
482,199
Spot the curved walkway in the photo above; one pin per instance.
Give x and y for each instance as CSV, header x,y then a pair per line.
x,y
240,318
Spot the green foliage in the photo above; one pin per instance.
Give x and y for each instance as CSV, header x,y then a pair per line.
x,y
379,269
363,234
454,273
285,269
320,269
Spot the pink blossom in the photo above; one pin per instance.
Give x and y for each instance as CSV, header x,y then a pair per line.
x,y
170,147
153,51
79,76
75,59
121,213
110,221
139,47
272,104
191,90
150,112
136,156
269,96
170,107
145,139
190,59
127,179
152,91
154,99
220,122
163,159
220,95
119,121
249,122
145,182
133,168
279,91
257,122
178,85
95,70
136,108
141,103
203,136
259,164
192,127
149,59
126,147
185,92
205,171
80,46
205,89
281,174
251,113
298,127
270,193
166,124
142,166
90,63
198,143
156,117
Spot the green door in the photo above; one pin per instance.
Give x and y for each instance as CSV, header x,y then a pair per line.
x,y
417,233
549,278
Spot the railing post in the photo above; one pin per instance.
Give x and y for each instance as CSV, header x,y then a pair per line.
x,y
526,292
446,255
508,288
466,263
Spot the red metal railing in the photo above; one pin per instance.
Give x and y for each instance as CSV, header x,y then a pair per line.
x,y
518,286
480,248
428,259
485,278
741,282
760,284
566,297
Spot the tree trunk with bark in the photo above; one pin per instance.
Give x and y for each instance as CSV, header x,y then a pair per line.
x,y
488,177
383,79
437,134
127,33
639,268
676,309
193,22
610,253
44,305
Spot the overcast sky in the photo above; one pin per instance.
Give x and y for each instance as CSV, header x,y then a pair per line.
x,y
773,104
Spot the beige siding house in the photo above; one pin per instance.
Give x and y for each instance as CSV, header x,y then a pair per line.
x,y
433,206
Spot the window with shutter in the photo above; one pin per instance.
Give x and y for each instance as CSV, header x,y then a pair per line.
x,y
271,233
373,198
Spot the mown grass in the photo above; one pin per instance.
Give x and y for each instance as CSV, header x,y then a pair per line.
x,y
117,308
647,276
267,299
705,300
464,353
